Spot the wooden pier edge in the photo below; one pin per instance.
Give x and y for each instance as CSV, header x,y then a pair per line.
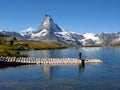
x,y
27,61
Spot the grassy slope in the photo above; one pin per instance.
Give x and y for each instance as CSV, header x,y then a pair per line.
x,y
6,50
40,45
13,50
116,45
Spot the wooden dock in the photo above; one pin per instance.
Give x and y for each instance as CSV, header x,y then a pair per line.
x,y
27,61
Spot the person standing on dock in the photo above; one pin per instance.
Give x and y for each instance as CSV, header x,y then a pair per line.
x,y
82,59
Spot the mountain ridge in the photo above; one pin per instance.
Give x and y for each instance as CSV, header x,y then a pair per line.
x,y
51,32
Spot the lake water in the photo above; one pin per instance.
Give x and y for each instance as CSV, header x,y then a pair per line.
x,y
104,76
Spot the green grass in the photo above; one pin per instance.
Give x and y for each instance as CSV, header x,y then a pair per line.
x,y
41,46
6,50
13,50
12,53
116,45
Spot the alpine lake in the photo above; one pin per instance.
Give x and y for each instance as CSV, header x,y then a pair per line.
x,y
105,76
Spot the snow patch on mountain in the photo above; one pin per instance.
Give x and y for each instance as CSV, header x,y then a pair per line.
x,y
74,33
90,38
27,31
1,30
39,34
64,34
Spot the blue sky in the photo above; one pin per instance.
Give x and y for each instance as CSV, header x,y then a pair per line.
x,y
81,16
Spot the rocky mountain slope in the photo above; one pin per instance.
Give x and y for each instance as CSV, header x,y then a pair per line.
x,y
11,34
50,32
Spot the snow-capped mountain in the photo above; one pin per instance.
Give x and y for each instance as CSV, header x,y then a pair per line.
x,y
90,39
27,33
107,38
50,32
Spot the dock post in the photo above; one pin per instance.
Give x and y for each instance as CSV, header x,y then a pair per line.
x,y
83,62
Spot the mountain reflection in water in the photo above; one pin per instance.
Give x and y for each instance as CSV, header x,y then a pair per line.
x,y
48,70
104,76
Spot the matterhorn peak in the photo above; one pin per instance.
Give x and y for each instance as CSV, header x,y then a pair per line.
x,y
47,15
49,25
46,23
